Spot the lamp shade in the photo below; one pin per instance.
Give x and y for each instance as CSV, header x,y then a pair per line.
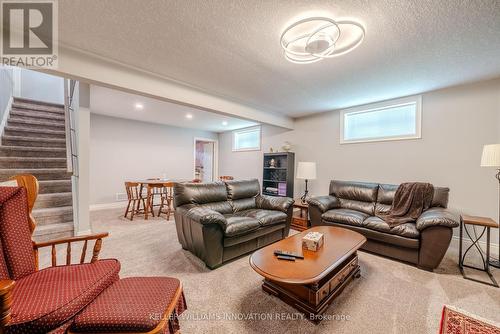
x,y
306,170
491,156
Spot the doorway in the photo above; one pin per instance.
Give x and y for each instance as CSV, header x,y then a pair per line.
x,y
205,159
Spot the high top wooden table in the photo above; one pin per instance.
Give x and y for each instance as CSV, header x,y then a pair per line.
x,y
311,284
145,183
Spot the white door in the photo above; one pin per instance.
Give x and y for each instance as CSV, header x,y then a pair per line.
x,y
205,160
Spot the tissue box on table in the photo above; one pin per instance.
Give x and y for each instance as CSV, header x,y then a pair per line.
x,y
312,241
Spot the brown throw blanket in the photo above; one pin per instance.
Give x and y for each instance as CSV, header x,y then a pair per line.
x,y
410,200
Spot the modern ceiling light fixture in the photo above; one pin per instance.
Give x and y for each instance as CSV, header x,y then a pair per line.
x,y
316,38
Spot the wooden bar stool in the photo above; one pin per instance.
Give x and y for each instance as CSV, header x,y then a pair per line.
x,y
167,197
134,199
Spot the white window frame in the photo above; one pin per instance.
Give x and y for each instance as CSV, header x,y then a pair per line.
x,y
244,130
417,100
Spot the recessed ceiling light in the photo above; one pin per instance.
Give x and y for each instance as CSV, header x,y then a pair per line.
x,y
224,123
316,38
189,116
139,106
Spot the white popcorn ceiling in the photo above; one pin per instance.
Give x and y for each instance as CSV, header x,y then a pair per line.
x,y
231,48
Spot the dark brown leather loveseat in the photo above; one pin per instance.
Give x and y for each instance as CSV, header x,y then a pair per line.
x,y
220,221
353,205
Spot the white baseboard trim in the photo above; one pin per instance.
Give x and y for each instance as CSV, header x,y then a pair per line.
x,y
84,232
104,206
467,242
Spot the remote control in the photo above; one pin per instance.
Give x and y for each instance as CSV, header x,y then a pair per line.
x,y
287,258
286,253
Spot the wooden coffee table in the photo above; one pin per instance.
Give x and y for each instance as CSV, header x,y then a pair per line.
x,y
311,284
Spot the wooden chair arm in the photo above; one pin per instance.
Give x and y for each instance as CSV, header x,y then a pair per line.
x,y
6,287
52,243
70,239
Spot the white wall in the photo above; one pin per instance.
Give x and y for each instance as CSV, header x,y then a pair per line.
x,y
40,86
457,122
6,94
6,89
125,150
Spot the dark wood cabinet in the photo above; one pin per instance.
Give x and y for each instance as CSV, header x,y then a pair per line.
x,y
278,174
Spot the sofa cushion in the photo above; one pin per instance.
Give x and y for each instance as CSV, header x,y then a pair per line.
x,y
237,225
359,191
134,304
382,237
199,193
242,189
345,216
365,207
243,204
254,235
382,208
265,217
47,298
440,198
386,193
15,233
221,207
408,230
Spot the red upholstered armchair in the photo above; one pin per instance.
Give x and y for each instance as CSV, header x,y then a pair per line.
x,y
49,300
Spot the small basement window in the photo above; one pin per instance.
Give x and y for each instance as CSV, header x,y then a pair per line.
x,y
247,139
391,120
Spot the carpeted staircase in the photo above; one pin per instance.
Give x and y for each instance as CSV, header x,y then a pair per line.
x,y
34,142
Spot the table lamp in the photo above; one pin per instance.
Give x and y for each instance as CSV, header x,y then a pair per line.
x,y
491,158
306,171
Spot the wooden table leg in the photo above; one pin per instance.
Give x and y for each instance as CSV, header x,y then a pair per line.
x,y
148,203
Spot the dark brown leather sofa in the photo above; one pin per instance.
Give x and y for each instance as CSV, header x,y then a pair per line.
x,y
353,205
220,221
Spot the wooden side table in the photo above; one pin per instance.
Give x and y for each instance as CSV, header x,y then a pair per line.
x,y
300,221
486,224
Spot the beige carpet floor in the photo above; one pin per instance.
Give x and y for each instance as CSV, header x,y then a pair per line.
x,y
390,296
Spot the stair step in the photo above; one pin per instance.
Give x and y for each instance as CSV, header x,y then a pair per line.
x,y
54,186
26,100
38,107
53,231
40,174
31,162
33,142
31,114
35,124
23,151
53,200
56,215
35,133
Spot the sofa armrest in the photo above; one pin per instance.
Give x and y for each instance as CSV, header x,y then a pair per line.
x,y
437,217
206,216
324,203
273,203
6,287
